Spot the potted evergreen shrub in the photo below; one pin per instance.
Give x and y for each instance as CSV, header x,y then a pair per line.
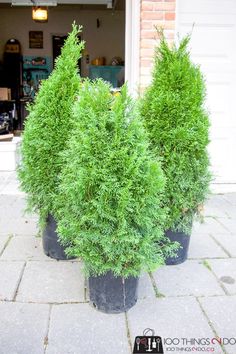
x,y
47,131
109,206
178,127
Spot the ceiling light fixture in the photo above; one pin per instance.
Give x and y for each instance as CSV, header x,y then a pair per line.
x,y
40,14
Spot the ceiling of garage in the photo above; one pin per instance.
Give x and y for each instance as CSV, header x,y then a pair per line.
x,y
84,4
55,2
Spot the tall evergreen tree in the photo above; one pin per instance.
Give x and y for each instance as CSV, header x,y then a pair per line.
x,y
178,127
109,206
49,126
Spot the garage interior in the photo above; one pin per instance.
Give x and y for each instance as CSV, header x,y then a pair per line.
x,y
28,48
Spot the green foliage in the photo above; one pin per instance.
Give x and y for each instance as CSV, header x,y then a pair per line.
x,y
178,125
48,128
109,208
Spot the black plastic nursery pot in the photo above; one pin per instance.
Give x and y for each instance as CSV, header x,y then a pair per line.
x,y
112,294
51,245
182,252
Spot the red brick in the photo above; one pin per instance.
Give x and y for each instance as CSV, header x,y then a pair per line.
x,y
146,25
146,53
147,6
148,43
170,16
145,71
146,63
148,15
168,25
160,13
165,6
148,34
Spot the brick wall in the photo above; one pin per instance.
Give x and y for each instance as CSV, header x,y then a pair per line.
x,y
159,13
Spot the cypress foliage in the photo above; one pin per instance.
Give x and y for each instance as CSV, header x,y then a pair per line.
x,y
109,206
48,128
178,126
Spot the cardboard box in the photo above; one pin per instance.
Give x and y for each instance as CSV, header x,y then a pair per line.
x,y
5,94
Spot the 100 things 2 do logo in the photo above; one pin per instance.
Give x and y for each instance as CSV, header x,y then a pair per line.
x,y
148,343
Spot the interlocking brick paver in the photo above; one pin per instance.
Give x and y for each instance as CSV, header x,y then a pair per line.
x,y
75,327
216,206
230,197
24,248
145,287
203,246
52,282
221,311
225,269
14,219
228,242
189,278
23,226
170,318
4,179
23,328
10,273
209,226
229,224
3,241
87,331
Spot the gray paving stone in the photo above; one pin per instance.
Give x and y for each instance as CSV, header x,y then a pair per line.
x,y
52,282
188,278
216,206
231,212
221,311
12,188
13,218
229,224
9,278
170,318
14,206
25,248
11,185
145,288
87,331
228,242
231,198
210,226
4,179
225,268
3,241
23,226
203,246
23,328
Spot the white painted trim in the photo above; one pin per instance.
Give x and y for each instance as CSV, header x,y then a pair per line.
x,y
132,45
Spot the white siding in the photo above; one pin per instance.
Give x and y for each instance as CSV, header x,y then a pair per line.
x,y
213,46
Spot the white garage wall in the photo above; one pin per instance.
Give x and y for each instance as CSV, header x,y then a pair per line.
x,y
213,46
107,41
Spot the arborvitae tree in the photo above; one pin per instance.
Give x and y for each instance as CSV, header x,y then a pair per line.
x,y
109,208
178,127
49,126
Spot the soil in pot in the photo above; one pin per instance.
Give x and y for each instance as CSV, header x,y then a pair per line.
x,y
182,253
112,294
51,245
